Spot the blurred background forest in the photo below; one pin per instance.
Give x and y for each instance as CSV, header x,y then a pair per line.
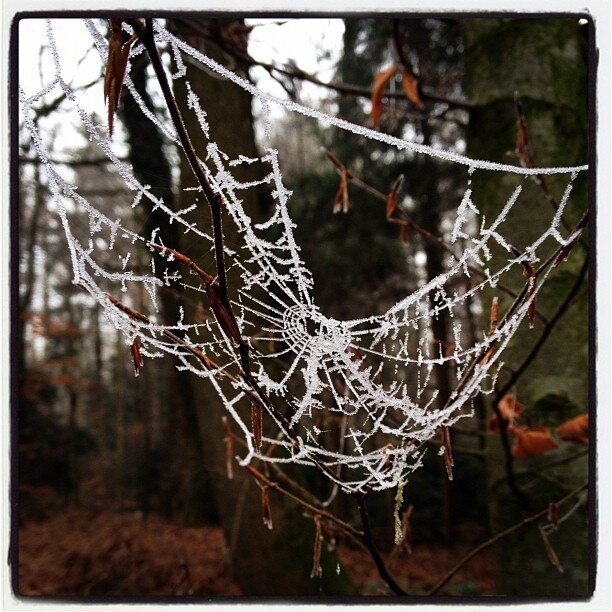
x,y
123,487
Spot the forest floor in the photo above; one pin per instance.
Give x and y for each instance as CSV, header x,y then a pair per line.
x,y
80,552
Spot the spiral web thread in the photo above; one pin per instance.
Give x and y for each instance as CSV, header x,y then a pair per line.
x,y
328,371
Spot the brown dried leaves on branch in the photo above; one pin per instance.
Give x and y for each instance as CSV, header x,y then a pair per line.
x,y
381,79
265,505
528,440
257,424
317,570
392,196
575,430
136,355
493,322
511,411
410,86
448,451
341,201
116,64
222,312
531,441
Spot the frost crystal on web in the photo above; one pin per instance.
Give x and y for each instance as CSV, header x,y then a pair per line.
x,y
314,369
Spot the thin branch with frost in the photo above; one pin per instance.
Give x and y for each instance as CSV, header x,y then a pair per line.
x,y
502,534
384,363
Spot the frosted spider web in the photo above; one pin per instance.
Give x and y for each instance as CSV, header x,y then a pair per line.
x,y
373,376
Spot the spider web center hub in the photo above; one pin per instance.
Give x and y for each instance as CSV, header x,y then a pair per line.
x,y
306,328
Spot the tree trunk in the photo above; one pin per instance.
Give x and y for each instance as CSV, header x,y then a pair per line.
x,y
263,562
543,60
184,491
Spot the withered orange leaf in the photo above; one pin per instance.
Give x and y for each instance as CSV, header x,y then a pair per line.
x,y
116,64
510,409
494,315
257,424
552,555
532,295
392,197
136,356
381,79
531,441
265,505
575,430
317,570
521,143
341,201
229,448
449,462
493,321
410,86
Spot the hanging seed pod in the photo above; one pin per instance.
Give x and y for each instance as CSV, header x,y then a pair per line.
x,y
449,462
317,570
136,356
257,424
265,505
116,64
229,449
399,499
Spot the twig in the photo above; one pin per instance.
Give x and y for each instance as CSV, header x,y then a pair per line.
x,y
342,88
369,542
505,438
405,218
214,199
523,152
499,536
551,464
359,535
547,331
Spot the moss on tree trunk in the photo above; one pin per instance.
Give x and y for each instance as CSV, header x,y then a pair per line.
x,y
544,61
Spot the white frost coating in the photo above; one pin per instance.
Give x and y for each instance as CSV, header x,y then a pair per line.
x,y
373,376
401,144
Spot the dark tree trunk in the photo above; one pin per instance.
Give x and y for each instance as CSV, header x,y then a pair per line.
x,y
263,562
542,59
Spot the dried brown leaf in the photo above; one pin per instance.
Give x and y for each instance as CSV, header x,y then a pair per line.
x,y
552,555
381,79
575,430
511,411
531,441
317,570
553,514
410,85
136,355
257,424
265,505
449,462
494,315
392,197
116,64
229,449
493,322
532,295
341,201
